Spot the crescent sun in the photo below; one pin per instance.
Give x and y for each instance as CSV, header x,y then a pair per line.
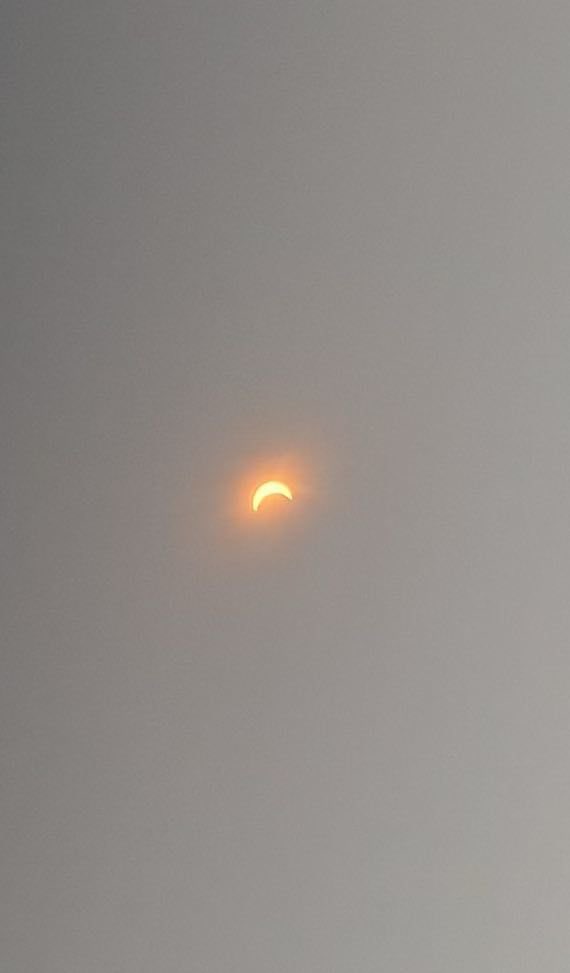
x,y
271,488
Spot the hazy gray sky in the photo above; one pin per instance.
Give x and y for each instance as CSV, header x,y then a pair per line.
x,y
235,232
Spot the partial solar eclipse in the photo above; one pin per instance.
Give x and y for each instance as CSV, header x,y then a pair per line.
x,y
272,488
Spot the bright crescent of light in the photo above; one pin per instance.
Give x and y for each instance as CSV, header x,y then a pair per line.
x,y
270,489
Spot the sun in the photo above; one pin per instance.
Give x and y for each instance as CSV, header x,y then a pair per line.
x,y
271,488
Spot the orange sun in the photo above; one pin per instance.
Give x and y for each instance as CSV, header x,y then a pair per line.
x,y
271,488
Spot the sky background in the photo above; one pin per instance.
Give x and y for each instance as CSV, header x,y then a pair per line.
x,y
333,235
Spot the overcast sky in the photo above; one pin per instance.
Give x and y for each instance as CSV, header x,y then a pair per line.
x,y
331,237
